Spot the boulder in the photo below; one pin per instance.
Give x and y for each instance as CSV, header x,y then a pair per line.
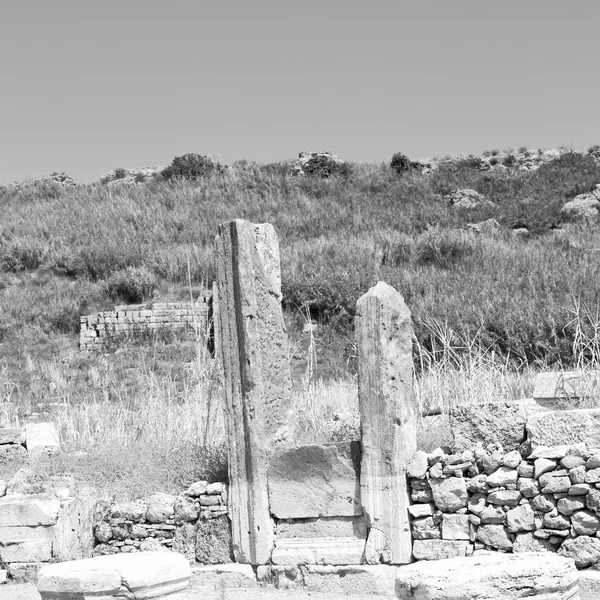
x,y
315,481
491,577
161,507
465,198
553,428
417,465
449,494
584,207
42,438
584,550
585,522
18,510
143,575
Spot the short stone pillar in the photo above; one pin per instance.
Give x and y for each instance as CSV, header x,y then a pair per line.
x,y
388,421
254,352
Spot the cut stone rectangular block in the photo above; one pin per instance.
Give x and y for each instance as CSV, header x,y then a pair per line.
x,y
315,481
491,576
557,428
29,552
318,551
41,438
372,581
11,435
16,535
32,510
455,527
144,575
388,420
218,577
440,549
323,527
257,382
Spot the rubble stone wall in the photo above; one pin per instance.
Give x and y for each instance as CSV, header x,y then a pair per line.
x,y
140,318
480,500
195,524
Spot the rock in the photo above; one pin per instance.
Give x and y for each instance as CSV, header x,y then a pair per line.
x,y
528,487
18,510
478,484
185,510
27,552
142,575
592,476
421,510
197,489
552,428
490,576
103,532
439,549
160,508
556,485
319,551
425,529
585,522
322,164
577,475
213,541
543,465
593,462
543,503
579,489
570,462
488,227
592,500
556,521
584,207
495,536
184,541
436,471
526,470
455,527
465,198
526,542
314,481
476,504
493,514
503,477
567,506
550,452
417,466
130,511
11,435
489,423
505,497
449,494
41,438
584,550
13,455
520,518
512,460
23,573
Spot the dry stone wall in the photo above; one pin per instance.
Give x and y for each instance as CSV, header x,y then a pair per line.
x,y
141,318
195,523
482,500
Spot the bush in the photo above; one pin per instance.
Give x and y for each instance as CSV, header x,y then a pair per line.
x,y
401,163
120,173
132,285
323,165
192,166
509,161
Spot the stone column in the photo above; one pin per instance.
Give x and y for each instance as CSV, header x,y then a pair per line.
x,y
388,421
254,352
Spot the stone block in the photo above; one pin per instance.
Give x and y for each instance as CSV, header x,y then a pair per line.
x,y
315,481
425,529
505,497
527,542
502,477
23,573
455,527
440,549
17,535
160,507
213,541
322,528
491,576
225,577
319,551
184,541
553,428
11,435
27,552
449,494
520,518
585,522
73,533
18,510
143,575
373,581
421,510
495,536
584,550
41,438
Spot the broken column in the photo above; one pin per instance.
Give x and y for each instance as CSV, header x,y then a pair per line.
x,y
388,421
253,349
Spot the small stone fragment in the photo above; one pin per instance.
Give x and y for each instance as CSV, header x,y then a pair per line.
x,y
477,503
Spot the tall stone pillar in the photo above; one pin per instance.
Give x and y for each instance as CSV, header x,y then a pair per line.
x,y
253,349
388,421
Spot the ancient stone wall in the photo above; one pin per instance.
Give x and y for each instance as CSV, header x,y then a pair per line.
x,y
481,500
194,523
141,318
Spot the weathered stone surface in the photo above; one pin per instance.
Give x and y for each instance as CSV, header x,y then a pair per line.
x,y
592,500
214,541
577,475
160,507
103,532
185,510
42,438
254,354
493,514
520,518
567,506
512,459
551,521
585,522
439,549
29,551
528,487
13,454
449,494
344,527
556,485
197,489
490,576
505,497
589,585
384,336
417,465
184,541
3,487
543,503
502,477
527,542
225,577
18,510
552,428
584,550
579,489
550,452
11,435
144,574
421,510
73,532
543,465
455,527
315,481
477,503
372,581
495,536
570,462
318,551
493,423
425,529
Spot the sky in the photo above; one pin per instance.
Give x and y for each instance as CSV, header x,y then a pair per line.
x,y
86,87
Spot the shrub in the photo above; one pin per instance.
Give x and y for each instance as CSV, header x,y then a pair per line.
x,y
495,152
594,148
132,285
494,161
401,163
323,165
120,173
522,149
509,161
191,166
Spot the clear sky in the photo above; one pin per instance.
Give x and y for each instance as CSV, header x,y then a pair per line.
x,y
90,86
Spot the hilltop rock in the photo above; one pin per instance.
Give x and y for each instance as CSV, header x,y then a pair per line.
x,y
465,198
129,176
316,163
584,206
61,179
485,227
